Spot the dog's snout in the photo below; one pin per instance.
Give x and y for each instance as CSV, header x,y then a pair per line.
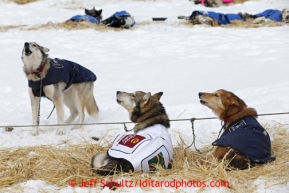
x,y
26,44
200,94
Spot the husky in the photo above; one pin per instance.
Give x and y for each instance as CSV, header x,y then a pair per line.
x,y
150,145
91,15
244,142
120,19
267,16
216,18
97,14
62,81
285,15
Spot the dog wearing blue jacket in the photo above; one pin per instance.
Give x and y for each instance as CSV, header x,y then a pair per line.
x,y
268,15
244,142
215,18
91,15
62,81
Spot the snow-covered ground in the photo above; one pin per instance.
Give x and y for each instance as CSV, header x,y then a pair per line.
x,y
179,60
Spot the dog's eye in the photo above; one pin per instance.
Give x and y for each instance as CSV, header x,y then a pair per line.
x,y
216,95
34,45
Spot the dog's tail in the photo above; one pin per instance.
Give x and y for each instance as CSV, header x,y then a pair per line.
x,y
92,107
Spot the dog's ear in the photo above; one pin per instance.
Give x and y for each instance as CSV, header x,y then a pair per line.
x,y
236,101
100,11
45,50
146,98
158,95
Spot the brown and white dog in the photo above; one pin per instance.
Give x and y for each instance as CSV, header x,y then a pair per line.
x,y
244,141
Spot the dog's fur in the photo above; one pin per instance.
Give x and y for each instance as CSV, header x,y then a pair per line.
x,y
77,97
227,104
217,3
285,15
204,19
97,14
246,18
257,20
145,110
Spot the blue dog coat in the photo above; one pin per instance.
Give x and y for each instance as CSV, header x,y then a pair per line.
x,y
84,18
114,20
272,14
220,17
248,137
64,71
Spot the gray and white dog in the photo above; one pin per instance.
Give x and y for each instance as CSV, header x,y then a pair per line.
x,y
151,144
62,81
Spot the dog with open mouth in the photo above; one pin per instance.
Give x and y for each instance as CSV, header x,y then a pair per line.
x,y
62,81
244,141
150,145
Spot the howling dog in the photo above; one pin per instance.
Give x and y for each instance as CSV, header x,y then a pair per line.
x,y
62,81
244,141
150,145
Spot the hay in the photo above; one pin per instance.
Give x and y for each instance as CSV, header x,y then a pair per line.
x,y
70,25
22,2
59,165
243,24
234,24
240,1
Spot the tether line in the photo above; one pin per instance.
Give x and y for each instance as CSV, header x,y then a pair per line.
x,y
121,123
192,120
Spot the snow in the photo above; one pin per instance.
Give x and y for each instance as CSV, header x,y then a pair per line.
x,y
179,60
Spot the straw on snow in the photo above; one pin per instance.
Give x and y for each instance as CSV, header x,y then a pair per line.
x,y
21,2
70,25
57,166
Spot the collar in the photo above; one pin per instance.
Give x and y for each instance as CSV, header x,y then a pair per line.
x,y
226,119
41,67
39,71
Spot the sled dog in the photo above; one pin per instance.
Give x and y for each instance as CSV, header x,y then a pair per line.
x,y
62,81
267,16
244,141
97,14
285,15
216,19
150,145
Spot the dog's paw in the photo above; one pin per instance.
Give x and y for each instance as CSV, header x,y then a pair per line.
x,y
60,132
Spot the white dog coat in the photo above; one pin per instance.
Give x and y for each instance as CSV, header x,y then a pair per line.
x,y
145,149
